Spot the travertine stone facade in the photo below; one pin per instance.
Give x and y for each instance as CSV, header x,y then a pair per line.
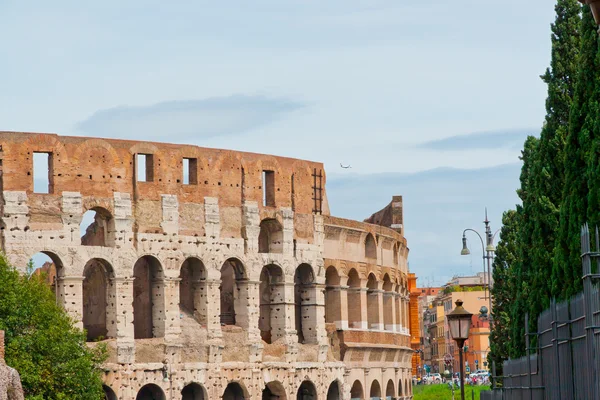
x,y
212,273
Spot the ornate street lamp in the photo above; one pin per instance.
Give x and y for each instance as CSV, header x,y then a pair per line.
x,y
459,323
595,7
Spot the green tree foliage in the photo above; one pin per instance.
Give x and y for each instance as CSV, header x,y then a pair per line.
x,y
42,343
502,291
548,169
580,202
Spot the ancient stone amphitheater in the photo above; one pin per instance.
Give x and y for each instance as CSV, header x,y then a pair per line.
x,y
211,273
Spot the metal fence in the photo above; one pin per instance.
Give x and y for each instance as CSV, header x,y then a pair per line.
x,y
567,359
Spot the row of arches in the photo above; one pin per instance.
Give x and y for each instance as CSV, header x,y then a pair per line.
x,y
99,297
234,391
375,392
386,307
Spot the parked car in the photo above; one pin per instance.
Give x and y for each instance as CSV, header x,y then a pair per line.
x,y
436,378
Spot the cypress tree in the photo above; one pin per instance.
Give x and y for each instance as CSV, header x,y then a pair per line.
x,y
580,166
548,170
502,291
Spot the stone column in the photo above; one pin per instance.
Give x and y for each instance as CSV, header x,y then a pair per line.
x,y
171,309
200,296
290,333
400,312
157,297
123,287
388,311
364,315
247,308
212,308
70,296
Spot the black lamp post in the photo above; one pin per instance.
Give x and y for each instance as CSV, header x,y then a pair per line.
x,y
459,322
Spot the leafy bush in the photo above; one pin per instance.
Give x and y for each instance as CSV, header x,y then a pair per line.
x,y
42,343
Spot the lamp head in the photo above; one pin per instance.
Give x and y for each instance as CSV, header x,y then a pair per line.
x,y
465,250
490,247
459,322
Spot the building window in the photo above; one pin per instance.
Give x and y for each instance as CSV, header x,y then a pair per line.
x,y
190,171
317,191
145,167
42,172
268,186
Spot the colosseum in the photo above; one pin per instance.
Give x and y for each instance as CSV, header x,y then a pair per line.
x,y
212,273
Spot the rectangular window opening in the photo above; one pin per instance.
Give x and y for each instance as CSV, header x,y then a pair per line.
x,y
42,172
190,171
145,167
268,186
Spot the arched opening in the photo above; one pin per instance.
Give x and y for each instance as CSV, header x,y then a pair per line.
x,y
354,300
372,303
192,289
49,267
272,293
193,391
273,391
150,392
400,391
334,391
97,228
356,392
375,392
389,390
304,301
397,299
270,238
148,298
98,300
109,394
232,275
388,303
234,391
370,247
333,301
396,250
307,391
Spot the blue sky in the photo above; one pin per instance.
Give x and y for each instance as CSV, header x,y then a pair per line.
x,y
429,100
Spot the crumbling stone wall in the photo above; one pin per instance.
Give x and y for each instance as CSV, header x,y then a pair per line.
x,y
170,275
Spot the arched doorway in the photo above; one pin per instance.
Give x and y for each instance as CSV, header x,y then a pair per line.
x,y
333,303
274,391
232,275
193,391
109,394
97,228
192,289
98,299
370,247
235,391
304,300
375,392
356,392
272,294
148,285
150,392
334,391
388,301
307,391
354,300
49,267
389,390
372,302
270,238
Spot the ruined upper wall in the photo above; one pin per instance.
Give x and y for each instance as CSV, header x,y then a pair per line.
x,y
390,216
98,167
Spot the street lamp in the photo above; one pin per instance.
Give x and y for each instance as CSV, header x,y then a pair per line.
x,y
595,7
459,323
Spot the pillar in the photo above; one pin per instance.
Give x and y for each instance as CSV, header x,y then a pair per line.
x,y
123,287
212,308
247,307
70,296
172,320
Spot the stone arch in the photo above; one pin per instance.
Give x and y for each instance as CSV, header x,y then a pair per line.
x,y
389,390
304,304
356,392
192,288
274,390
270,239
148,298
335,391
271,320
235,391
150,392
372,302
354,300
49,265
375,391
194,391
307,391
100,230
388,303
333,298
99,298
233,277
370,247
109,394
